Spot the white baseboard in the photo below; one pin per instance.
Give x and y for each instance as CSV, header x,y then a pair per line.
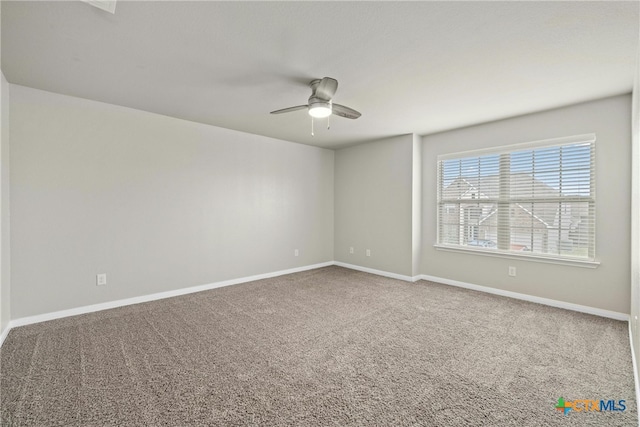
x,y
635,370
4,333
376,272
153,297
545,301
168,294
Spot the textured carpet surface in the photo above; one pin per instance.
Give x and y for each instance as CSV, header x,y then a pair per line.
x,y
324,347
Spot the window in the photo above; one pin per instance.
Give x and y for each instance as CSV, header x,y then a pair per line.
x,y
535,199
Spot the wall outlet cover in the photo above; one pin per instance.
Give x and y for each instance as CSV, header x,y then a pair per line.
x,y
101,279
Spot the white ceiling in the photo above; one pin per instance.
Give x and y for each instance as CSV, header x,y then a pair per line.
x,y
420,67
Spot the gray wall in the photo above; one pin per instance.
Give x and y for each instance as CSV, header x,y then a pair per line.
x,y
416,202
160,204
606,287
635,216
155,202
373,204
5,284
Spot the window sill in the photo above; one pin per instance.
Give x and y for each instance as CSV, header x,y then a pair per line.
x,y
523,257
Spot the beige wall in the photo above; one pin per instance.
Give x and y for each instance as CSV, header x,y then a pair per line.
x,y
373,204
154,202
605,287
5,284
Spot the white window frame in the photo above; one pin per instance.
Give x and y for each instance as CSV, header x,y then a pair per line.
x,y
504,248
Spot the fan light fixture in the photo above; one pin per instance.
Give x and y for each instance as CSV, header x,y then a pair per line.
x,y
320,110
321,105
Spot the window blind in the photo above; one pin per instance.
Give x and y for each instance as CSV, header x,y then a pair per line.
x,y
536,198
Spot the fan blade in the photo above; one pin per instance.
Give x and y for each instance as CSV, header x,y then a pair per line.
x,y
346,112
290,109
326,88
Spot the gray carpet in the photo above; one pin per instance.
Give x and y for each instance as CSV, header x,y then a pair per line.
x,y
324,347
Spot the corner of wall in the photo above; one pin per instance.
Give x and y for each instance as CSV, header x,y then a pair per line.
x,y
416,206
634,323
5,295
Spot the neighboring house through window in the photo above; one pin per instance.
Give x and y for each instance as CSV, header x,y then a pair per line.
x,y
532,199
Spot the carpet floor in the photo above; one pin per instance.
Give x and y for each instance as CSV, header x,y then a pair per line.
x,y
325,347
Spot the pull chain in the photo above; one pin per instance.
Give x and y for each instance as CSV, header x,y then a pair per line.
x,y
329,122
312,134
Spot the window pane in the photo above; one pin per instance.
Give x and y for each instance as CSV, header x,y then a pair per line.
x,y
537,200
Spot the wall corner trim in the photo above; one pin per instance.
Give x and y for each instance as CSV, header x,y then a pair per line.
x,y
635,370
525,297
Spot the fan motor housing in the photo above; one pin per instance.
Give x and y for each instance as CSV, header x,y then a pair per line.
x,y
318,102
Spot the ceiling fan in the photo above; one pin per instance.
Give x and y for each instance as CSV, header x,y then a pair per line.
x,y
320,102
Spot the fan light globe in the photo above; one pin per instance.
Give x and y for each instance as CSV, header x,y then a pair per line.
x,y
320,111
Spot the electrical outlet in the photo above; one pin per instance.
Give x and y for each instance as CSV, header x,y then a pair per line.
x,y
512,271
101,279
368,252
351,250
295,252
